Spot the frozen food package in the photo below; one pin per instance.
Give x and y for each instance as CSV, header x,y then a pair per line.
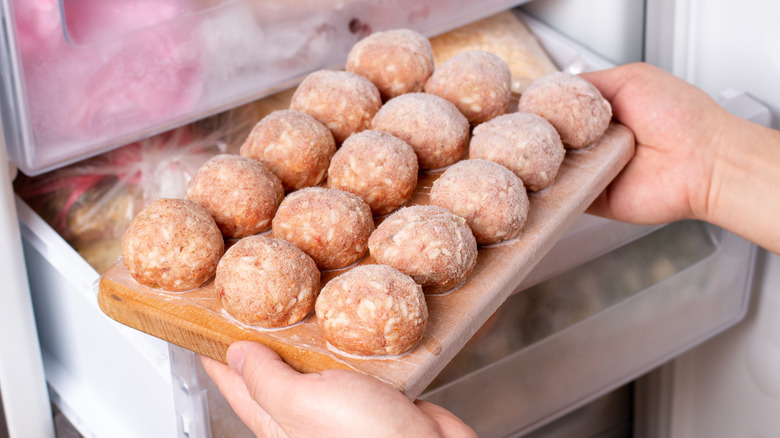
x,y
115,75
504,35
91,203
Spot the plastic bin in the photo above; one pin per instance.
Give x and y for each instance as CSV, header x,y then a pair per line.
x,y
558,345
80,77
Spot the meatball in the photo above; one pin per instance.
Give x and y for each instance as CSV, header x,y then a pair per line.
x,y
479,83
372,310
240,193
267,282
330,225
524,143
378,167
343,101
434,127
489,196
293,145
573,105
429,243
172,244
397,61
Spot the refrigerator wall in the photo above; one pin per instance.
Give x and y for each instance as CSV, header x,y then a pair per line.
x,y
718,45
24,402
729,386
612,28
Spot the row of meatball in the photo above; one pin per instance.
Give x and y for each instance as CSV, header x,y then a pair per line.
x,y
274,281
338,126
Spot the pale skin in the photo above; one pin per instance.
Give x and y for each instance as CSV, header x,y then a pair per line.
x,y
693,161
276,401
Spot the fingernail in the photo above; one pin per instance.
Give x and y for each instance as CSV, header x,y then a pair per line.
x,y
235,359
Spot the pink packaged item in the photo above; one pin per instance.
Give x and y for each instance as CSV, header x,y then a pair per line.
x,y
107,67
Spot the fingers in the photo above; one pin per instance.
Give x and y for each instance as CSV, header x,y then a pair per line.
x,y
232,386
610,81
450,426
268,378
600,206
275,400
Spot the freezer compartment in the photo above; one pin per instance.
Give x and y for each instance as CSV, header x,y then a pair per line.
x,y
109,379
558,345
103,375
84,76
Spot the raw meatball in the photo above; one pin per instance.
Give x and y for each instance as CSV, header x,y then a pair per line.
x,y
573,105
267,282
343,101
330,225
294,146
397,61
429,243
479,83
371,310
240,193
172,244
524,143
378,167
489,196
434,127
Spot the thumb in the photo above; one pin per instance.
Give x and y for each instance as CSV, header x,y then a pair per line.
x,y
239,351
611,80
265,373
450,426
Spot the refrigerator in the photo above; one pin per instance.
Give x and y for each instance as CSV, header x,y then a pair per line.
x,y
620,330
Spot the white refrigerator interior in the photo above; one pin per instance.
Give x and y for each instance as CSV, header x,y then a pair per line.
x,y
730,385
112,381
24,402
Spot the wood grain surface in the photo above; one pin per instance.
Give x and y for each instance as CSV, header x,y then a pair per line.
x,y
195,319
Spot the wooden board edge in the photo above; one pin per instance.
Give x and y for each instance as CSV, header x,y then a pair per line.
x,y
619,133
172,323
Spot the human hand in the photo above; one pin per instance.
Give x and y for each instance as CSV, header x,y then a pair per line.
x,y
274,400
693,160
676,127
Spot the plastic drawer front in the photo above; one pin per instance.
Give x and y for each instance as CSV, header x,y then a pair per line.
x,y
566,341
83,77
108,380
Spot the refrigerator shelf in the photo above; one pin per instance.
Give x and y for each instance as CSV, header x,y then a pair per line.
x,y
82,77
555,347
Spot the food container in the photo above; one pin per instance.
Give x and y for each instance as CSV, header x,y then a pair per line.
x,y
558,345
84,76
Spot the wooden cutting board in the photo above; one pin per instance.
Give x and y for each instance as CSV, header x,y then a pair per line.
x,y
195,319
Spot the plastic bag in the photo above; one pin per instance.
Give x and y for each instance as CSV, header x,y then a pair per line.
x,y
91,203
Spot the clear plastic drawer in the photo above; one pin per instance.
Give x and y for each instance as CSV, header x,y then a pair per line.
x,y
83,76
570,339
